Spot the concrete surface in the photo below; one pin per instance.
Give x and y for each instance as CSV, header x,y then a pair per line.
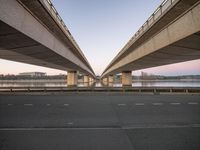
x,y
173,38
24,37
72,78
100,121
127,78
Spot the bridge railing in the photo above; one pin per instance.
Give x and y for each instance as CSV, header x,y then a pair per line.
x,y
165,5
58,18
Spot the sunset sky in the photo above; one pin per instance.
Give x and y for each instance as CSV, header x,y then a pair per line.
x,y
101,28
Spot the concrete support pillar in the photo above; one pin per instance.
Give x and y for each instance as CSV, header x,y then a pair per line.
x,y
105,81
126,78
71,78
86,80
90,81
110,80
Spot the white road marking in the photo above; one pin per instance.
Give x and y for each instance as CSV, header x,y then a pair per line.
x,y
162,126
193,103
66,104
157,103
121,104
70,123
139,104
52,129
196,125
10,104
175,103
48,104
103,128
28,104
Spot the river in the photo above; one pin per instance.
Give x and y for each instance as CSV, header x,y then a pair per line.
x,y
62,83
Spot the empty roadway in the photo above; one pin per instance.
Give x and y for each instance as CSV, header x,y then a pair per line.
x,y
100,121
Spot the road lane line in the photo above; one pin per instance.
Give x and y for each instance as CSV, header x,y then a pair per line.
x,y
158,104
175,103
121,104
48,104
55,129
193,103
66,104
10,104
103,128
28,104
139,104
70,123
161,126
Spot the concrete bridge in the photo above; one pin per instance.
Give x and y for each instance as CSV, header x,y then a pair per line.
x,y
32,32
170,35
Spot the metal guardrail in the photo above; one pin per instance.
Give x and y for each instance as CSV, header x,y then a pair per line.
x,y
162,9
58,18
150,21
153,18
155,90
157,13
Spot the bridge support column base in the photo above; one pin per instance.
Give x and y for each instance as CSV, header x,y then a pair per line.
x,y
71,78
126,78
105,81
110,80
91,81
86,80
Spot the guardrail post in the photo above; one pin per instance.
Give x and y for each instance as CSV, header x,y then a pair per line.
x,y
154,91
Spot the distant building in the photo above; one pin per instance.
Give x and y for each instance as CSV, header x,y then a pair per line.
x,y
33,74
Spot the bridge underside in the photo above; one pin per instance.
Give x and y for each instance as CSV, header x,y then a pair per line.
x,y
177,41
16,46
43,41
183,50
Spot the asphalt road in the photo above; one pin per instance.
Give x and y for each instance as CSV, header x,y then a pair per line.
x,y
100,122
